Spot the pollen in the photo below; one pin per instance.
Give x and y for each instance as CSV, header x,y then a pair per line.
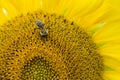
x,y
68,52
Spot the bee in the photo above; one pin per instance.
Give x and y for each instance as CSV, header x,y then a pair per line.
x,y
40,25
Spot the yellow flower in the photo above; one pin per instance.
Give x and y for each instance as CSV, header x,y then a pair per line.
x,y
82,40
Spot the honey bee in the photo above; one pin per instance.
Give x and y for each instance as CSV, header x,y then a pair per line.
x,y
40,25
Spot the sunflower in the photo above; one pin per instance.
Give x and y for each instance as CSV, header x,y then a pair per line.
x,y
59,40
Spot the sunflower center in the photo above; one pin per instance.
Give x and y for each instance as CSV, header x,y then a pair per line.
x,y
38,69
66,53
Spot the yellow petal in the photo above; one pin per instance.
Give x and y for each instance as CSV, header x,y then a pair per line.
x,y
115,4
110,75
108,33
111,50
8,9
24,6
114,64
2,17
